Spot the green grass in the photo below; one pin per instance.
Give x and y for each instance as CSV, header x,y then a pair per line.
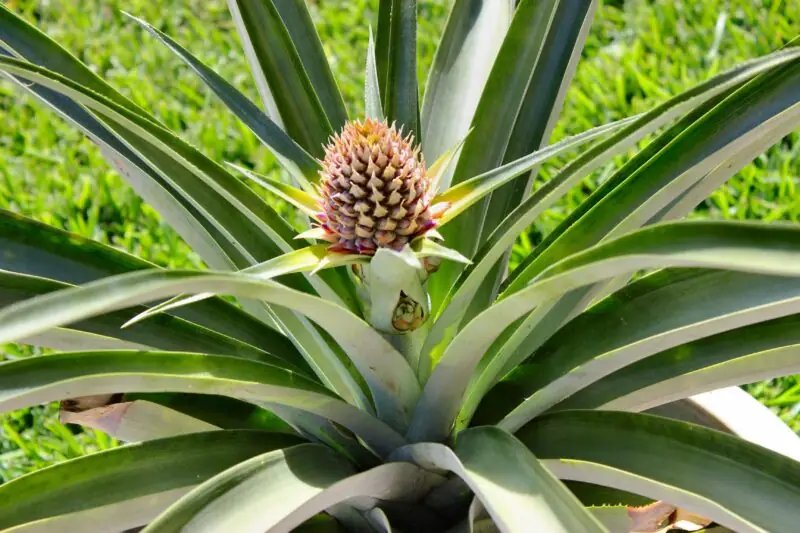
x,y
638,54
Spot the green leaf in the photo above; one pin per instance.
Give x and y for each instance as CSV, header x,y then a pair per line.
x,y
267,491
542,103
401,101
259,231
695,146
493,124
125,487
71,339
429,248
280,490
275,57
742,305
136,421
744,247
308,204
28,42
177,211
752,488
248,217
732,357
297,161
43,379
372,85
219,411
467,193
382,44
392,382
517,491
165,332
537,116
37,249
312,258
306,41
702,141
472,37
547,194
438,172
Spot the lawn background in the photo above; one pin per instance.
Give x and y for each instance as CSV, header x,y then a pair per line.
x,y
639,53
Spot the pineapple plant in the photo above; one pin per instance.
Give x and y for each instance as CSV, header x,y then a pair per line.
x,y
384,369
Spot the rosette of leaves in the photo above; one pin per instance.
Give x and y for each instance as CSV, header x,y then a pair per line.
x,y
385,369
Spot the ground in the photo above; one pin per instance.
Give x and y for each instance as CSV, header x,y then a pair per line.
x,y
638,54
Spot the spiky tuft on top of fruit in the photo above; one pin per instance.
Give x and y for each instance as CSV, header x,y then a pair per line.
x,y
375,189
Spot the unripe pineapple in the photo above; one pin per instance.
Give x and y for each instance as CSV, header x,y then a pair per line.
x,y
375,189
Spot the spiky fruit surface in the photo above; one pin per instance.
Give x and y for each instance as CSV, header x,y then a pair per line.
x,y
375,189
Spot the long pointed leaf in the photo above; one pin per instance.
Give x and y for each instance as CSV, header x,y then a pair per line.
x,y
275,59
43,379
493,123
125,487
753,248
730,358
305,39
472,37
372,85
401,101
278,491
524,215
297,161
390,378
517,491
165,332
37,249
631,326
702,145
751,489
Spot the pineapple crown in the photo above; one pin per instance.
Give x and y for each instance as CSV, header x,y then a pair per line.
x,y
375,189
